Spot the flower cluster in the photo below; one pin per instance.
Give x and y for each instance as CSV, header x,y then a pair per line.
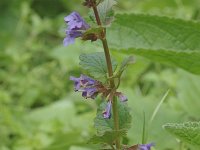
x,y
90,88
86,85
75,29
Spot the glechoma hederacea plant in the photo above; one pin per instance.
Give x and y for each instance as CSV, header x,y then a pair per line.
x,y
162,39
114,109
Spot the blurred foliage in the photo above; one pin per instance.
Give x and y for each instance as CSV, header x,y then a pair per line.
x,y
38,108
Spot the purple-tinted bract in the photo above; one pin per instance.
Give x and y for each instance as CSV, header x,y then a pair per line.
x,y
107,112
86,85
146,146
75,29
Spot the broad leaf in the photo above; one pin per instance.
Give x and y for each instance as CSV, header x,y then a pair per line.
x,y
95,64
102,125
188,132
171,41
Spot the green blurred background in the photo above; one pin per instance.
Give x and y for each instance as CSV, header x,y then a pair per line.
x,y
38,107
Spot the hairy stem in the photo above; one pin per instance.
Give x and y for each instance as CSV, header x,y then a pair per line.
x,y
110,74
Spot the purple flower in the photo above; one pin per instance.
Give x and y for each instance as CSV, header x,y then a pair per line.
x,y
145,146
107,112
86,85
76,26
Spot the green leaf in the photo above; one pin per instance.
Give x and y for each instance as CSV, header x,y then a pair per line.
x,y
106,12
188,132
95,64
102,125
108,137
166,40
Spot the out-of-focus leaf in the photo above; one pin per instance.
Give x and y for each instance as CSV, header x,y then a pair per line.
x,y
140,104
63,142
59,111
188,93
69,56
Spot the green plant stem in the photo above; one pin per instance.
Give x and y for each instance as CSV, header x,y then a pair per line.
x,y
110,74
116,120
109,63
96,14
